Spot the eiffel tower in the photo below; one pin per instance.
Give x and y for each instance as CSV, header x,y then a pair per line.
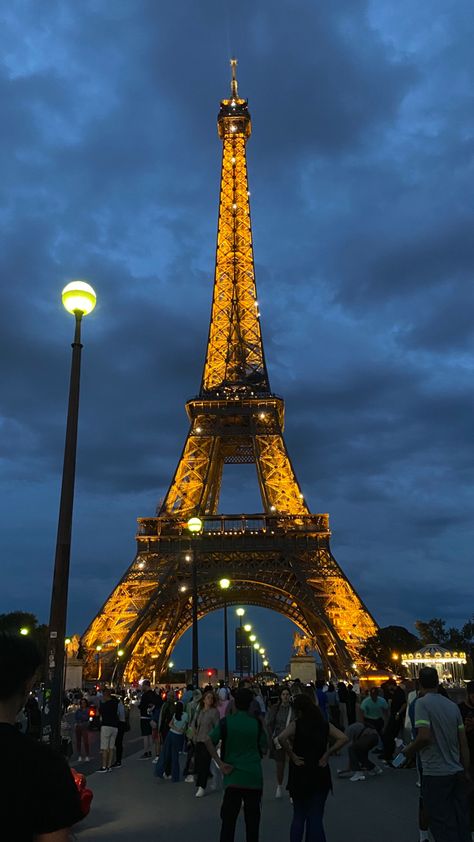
x,y
278,559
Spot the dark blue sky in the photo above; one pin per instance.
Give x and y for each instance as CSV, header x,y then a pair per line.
x,y
361,178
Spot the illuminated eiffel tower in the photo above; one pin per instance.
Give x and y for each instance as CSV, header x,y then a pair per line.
x,y
279,559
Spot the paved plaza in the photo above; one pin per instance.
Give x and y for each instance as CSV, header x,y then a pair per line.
x,y
129,803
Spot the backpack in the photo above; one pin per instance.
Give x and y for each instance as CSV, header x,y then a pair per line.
x,y
223,730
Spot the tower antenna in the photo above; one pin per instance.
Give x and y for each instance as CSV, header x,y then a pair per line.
x,y
233,85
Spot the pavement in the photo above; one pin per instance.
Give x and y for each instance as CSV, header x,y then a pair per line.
x,y
130,803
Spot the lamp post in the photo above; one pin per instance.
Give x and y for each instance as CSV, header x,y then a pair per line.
x,y
79,299
252,638
195,526
224,584
256,648
240,613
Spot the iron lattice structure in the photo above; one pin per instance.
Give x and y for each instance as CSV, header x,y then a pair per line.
x,y
280,559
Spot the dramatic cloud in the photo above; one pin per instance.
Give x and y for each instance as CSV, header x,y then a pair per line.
x,y
361,175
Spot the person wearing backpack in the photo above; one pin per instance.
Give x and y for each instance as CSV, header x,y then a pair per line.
x,y
243,743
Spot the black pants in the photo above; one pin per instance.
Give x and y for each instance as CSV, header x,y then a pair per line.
x,y
445,799
202,764
388,737
119,742
231,804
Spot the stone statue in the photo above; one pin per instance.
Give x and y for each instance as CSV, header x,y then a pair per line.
x,y
72,648
302,644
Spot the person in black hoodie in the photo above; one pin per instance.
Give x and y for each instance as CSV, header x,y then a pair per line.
x,y
38,797
306,741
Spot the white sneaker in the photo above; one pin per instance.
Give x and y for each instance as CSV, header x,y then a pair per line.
x,y
376,771
278,793
358,776
167,777
189,779
79,759
155,760
200,792
86,759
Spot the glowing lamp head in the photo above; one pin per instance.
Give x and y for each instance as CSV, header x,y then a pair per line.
x,y
194,524
79,297
98,648
120,653
256,645
224,584
262,651
171,665
252,638
247,627
67,641
24,631
240,612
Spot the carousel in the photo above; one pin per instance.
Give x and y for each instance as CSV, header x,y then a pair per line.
x,y
449,665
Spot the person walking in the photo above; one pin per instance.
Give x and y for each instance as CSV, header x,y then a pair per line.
x,y
148,702
121,728
81,729
243,743
207,717
444,752
38,797
309,780
174,742
333,705
374,709
108,710
278,717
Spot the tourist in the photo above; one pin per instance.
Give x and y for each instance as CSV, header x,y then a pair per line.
x,y
374,709
467,712
362,738
321,696
279,716
192,708
333,705
309,780
243,742
396,719
444,752
173,745
108,710
148,701
38,797
223,699
351,704
122,726
207,717
33,717
81,728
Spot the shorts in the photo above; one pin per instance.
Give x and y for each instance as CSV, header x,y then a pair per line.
x,y
145,727
108,735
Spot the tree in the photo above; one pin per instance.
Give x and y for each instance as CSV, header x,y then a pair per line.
x,y
388,642
16,620
432,631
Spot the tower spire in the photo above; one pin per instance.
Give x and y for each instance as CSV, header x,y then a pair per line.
x,y
233,85
235,360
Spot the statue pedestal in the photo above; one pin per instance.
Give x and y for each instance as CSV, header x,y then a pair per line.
x,y
73,676
304,668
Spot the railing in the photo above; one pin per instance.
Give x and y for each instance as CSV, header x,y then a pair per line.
x,y
258,524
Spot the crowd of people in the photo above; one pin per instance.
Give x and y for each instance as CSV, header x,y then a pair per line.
x,y
216,737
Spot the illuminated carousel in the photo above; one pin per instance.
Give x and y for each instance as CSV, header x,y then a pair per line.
x,y
449,665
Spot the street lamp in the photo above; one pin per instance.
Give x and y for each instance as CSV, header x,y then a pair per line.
x,y
194,525
240,613
224,584
79,299
99,662
256,648
247,627
24,631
